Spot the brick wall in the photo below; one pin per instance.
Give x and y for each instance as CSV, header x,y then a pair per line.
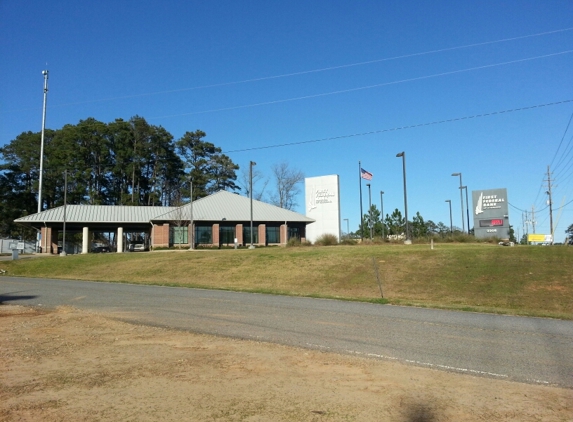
x,y
239,234
262,234
215,234
160,235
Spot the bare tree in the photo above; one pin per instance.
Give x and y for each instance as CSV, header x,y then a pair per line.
x,y
287,180
258,179
179,220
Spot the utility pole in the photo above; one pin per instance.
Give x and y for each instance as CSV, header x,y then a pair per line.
x,y
533,218
549,186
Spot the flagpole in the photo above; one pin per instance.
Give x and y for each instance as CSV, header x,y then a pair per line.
x,y
360,183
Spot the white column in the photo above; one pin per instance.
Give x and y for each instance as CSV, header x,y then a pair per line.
x,y
119,240
85,240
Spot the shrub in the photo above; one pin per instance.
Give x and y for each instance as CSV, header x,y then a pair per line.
x,y
293,241
464,238
326,239
296,242
348,242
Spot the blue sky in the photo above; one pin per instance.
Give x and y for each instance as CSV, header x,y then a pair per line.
x,y
254,74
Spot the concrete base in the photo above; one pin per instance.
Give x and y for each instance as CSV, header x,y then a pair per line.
x,y
407,242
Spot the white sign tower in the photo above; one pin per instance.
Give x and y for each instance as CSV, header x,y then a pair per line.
x,y
322,203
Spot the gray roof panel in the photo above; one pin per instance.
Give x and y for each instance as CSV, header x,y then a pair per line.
x,y
215,207
96,213
232,207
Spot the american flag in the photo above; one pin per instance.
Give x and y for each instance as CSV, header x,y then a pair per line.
x,y
365,174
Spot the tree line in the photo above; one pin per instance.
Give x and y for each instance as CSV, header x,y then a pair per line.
x,y
395,225
124,162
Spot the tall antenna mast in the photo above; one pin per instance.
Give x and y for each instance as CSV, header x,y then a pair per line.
x,y
45,73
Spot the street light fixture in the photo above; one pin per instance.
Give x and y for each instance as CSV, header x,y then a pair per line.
x,y
461,200
369,210
451,224
382,211
403,155
251,164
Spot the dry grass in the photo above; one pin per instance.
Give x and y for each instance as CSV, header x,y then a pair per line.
x,y
521,280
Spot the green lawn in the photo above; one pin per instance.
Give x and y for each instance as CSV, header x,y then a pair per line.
x,y
522,280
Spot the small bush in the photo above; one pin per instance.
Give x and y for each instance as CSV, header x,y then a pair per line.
x,y
296,242
326,240
464,238
348,242
293,241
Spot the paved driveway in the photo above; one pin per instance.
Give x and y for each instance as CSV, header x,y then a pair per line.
x,y
535,350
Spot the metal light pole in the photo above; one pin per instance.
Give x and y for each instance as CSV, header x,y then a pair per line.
x,y
191,243
369,210
45,73
361,212
451,224
403,155
251,164
63,253
347,228
461,200
382,211
467,207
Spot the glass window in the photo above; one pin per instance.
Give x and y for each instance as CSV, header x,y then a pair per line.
x,y
293,233
273,235
247,234
226,235
203,235
178,235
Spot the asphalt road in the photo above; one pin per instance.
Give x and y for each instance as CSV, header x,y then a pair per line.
x,y
534,350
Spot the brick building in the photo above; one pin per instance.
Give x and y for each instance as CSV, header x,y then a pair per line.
x,y
217,220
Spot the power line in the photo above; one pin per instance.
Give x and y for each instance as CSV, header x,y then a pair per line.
x,y
561,142
538,193
567,165
344,91
542,209
455,119
513,206
306,72
566,153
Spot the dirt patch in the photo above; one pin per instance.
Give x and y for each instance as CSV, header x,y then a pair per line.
x,y
74,365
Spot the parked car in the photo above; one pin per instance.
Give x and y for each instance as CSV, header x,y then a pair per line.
x,y
137,247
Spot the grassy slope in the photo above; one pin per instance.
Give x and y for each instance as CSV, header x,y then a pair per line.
x,y
520,280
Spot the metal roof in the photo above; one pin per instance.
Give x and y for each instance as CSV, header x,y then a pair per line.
x,y
219,206
229,206
96,214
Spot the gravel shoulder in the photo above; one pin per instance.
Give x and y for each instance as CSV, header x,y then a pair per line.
x,y
67,364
